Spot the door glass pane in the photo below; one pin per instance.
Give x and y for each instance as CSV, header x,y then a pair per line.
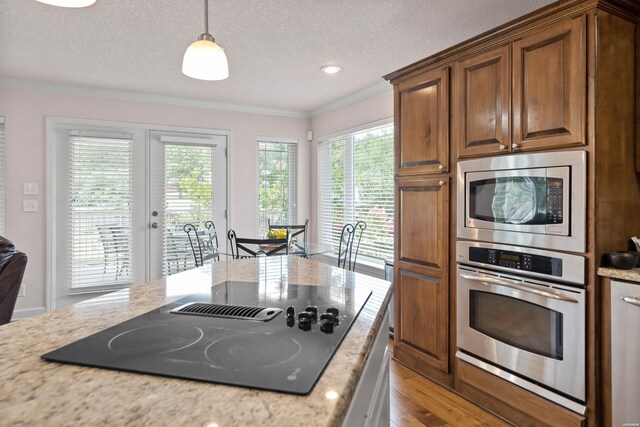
x,y
188,199
100,213
519,323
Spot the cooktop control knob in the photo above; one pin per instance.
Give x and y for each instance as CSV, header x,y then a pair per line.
x,y
304,323
291,312
336,314
326,323
304,315
313,310
291,321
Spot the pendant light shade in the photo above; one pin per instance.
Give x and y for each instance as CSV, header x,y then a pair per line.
x,y
204,58
68,3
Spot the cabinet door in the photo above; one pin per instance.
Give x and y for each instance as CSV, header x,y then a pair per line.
x,y
422,123
421,281
549,87
422,215
483,103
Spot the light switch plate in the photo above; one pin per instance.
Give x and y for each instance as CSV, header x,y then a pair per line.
x,y
30,188
29,206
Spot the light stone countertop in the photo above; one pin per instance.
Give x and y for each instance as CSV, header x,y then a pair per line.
x,y
34,392
632,275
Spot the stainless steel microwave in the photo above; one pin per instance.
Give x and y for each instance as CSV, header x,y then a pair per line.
x,y
533,200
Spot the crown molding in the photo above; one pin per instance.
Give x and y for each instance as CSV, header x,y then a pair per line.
x,y
368,92
147,97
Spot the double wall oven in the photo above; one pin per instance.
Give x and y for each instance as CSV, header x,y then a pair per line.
x,y
521,291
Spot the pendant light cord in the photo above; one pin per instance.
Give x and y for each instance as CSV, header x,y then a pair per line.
x,y
206,16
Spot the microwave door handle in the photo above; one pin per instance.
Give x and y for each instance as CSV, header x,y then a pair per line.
x,y
515,285
632,300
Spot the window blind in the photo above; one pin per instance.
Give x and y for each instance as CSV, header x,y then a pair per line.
x,y
100,217
2,175
277,184
356,184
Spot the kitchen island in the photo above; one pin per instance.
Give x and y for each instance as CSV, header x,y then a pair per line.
x,y
37,392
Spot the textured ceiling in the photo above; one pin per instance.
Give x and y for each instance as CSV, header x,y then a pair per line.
x,y
275,47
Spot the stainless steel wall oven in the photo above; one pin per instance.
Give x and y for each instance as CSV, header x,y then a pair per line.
x,y
521,315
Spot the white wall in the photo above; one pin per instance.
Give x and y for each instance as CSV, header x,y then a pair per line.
x,y
369,110
25,111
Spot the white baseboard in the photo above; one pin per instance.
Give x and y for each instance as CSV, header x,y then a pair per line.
x,y
27,312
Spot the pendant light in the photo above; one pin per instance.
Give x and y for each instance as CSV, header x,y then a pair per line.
x,y
68,3
204,58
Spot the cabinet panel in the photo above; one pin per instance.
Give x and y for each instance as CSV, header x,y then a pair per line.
x,y
422,123
549,81
422,330
483,103
422,212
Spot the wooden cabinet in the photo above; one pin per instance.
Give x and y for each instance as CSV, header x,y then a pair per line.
x,y
549,87
483,102
542,96
422,131
421,278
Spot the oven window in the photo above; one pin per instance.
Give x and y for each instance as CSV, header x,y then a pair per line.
x,y
518,323
509,200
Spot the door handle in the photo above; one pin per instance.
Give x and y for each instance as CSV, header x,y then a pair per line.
x,y
515,285
154,225
632,300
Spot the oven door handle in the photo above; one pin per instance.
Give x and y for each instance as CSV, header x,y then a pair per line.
x,y
632,300
515,285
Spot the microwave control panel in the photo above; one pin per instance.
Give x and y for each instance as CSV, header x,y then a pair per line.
x,y
517,260
554,201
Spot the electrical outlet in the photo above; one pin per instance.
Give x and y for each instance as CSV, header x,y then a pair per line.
x,y
21,292
29,206
30,188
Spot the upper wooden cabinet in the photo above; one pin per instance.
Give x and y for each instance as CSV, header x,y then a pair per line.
x,y
549,87
483,102
422,123
539,94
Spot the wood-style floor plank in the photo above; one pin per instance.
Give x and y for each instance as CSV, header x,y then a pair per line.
x,y
418,402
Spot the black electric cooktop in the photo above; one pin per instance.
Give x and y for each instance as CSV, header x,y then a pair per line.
x,y
267,343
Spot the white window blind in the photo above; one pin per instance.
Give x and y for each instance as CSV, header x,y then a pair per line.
x,y
100,222
2,174
188,199
277,184
356,184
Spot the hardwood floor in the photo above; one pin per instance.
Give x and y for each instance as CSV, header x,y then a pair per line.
x,y
417,401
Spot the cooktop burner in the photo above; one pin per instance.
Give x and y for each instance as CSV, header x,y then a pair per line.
x,y
286,353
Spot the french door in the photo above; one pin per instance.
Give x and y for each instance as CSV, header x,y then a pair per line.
x,y
120,198
187,185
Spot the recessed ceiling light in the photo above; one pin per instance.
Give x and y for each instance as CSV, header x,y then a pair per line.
x,y
331,69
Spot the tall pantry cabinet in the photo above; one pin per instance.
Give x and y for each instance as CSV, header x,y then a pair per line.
x,y
560,78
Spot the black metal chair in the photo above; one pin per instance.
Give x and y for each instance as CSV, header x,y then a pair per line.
x,y
111,236
351,234
293,232
204,244
242,247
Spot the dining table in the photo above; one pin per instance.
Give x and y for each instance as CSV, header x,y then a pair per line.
x,y
305,250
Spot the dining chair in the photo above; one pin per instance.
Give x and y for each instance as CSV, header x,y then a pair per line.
x,y
204,244
12,266
294,231
113,248
351,234
242,247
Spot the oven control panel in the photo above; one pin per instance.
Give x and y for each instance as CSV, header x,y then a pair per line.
x,y
517,260
559,266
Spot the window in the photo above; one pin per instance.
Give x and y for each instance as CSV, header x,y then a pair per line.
x,y
277,183
2,143
356,184
100,218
